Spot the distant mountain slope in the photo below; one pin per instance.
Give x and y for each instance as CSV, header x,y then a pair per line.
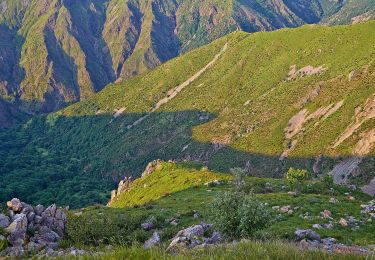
x,y
9,114
56,52
266,101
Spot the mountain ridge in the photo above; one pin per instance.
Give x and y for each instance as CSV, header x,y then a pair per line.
x,y
65,51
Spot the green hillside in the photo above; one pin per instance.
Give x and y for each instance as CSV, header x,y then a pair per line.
x,y
94,224
55,52
263,102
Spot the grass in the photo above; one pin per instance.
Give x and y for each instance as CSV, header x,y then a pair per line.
x,y
169,178
242,250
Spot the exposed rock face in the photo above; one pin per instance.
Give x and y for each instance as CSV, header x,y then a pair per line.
x,y
362,115
123,186
304,72
297,124
151,167
347,168
48,225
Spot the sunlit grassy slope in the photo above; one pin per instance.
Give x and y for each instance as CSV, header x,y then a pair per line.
x,y
186,194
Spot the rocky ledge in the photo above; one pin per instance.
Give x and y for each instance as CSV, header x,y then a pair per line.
x,y
29,230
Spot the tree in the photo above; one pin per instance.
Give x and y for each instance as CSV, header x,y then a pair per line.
x,y
295,178
239,175
238,215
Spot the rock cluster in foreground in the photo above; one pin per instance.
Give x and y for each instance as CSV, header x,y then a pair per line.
x,y
31,229
311,240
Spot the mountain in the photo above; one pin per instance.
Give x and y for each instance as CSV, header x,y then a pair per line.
x,y
9,114
56,52
264,102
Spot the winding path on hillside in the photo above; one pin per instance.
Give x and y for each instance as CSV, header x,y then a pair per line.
x,y
173,92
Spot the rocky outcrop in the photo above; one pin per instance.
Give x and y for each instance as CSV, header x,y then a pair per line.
x,y
151,167
32,229
345,169
123,186
299,123
362,115
309,239
304,72
193,236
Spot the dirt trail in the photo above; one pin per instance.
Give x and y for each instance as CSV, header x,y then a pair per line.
x,y
173,92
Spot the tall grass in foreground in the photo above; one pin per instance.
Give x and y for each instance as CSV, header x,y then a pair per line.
x,y
242,250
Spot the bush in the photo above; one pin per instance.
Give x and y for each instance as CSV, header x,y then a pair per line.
x,y
3,244
295,178
239,175
238,215
96,229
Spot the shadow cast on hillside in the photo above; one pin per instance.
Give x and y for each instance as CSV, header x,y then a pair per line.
x,y
77,160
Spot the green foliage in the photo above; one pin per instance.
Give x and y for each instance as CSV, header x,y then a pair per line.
x,y
295,178
239,175
95,230
238,215
3,243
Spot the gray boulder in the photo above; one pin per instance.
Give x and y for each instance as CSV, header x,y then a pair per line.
x,y
4,221
190,237
153,241
306,234
17,230
15,205
39,210
147,226
215,238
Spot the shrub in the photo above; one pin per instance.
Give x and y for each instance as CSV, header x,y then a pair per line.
x,y
328,182
95,229
238,215
295,178
3,244
239,175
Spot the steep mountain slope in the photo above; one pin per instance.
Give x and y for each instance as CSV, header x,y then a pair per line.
x,y
264,102
56,52
9,114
